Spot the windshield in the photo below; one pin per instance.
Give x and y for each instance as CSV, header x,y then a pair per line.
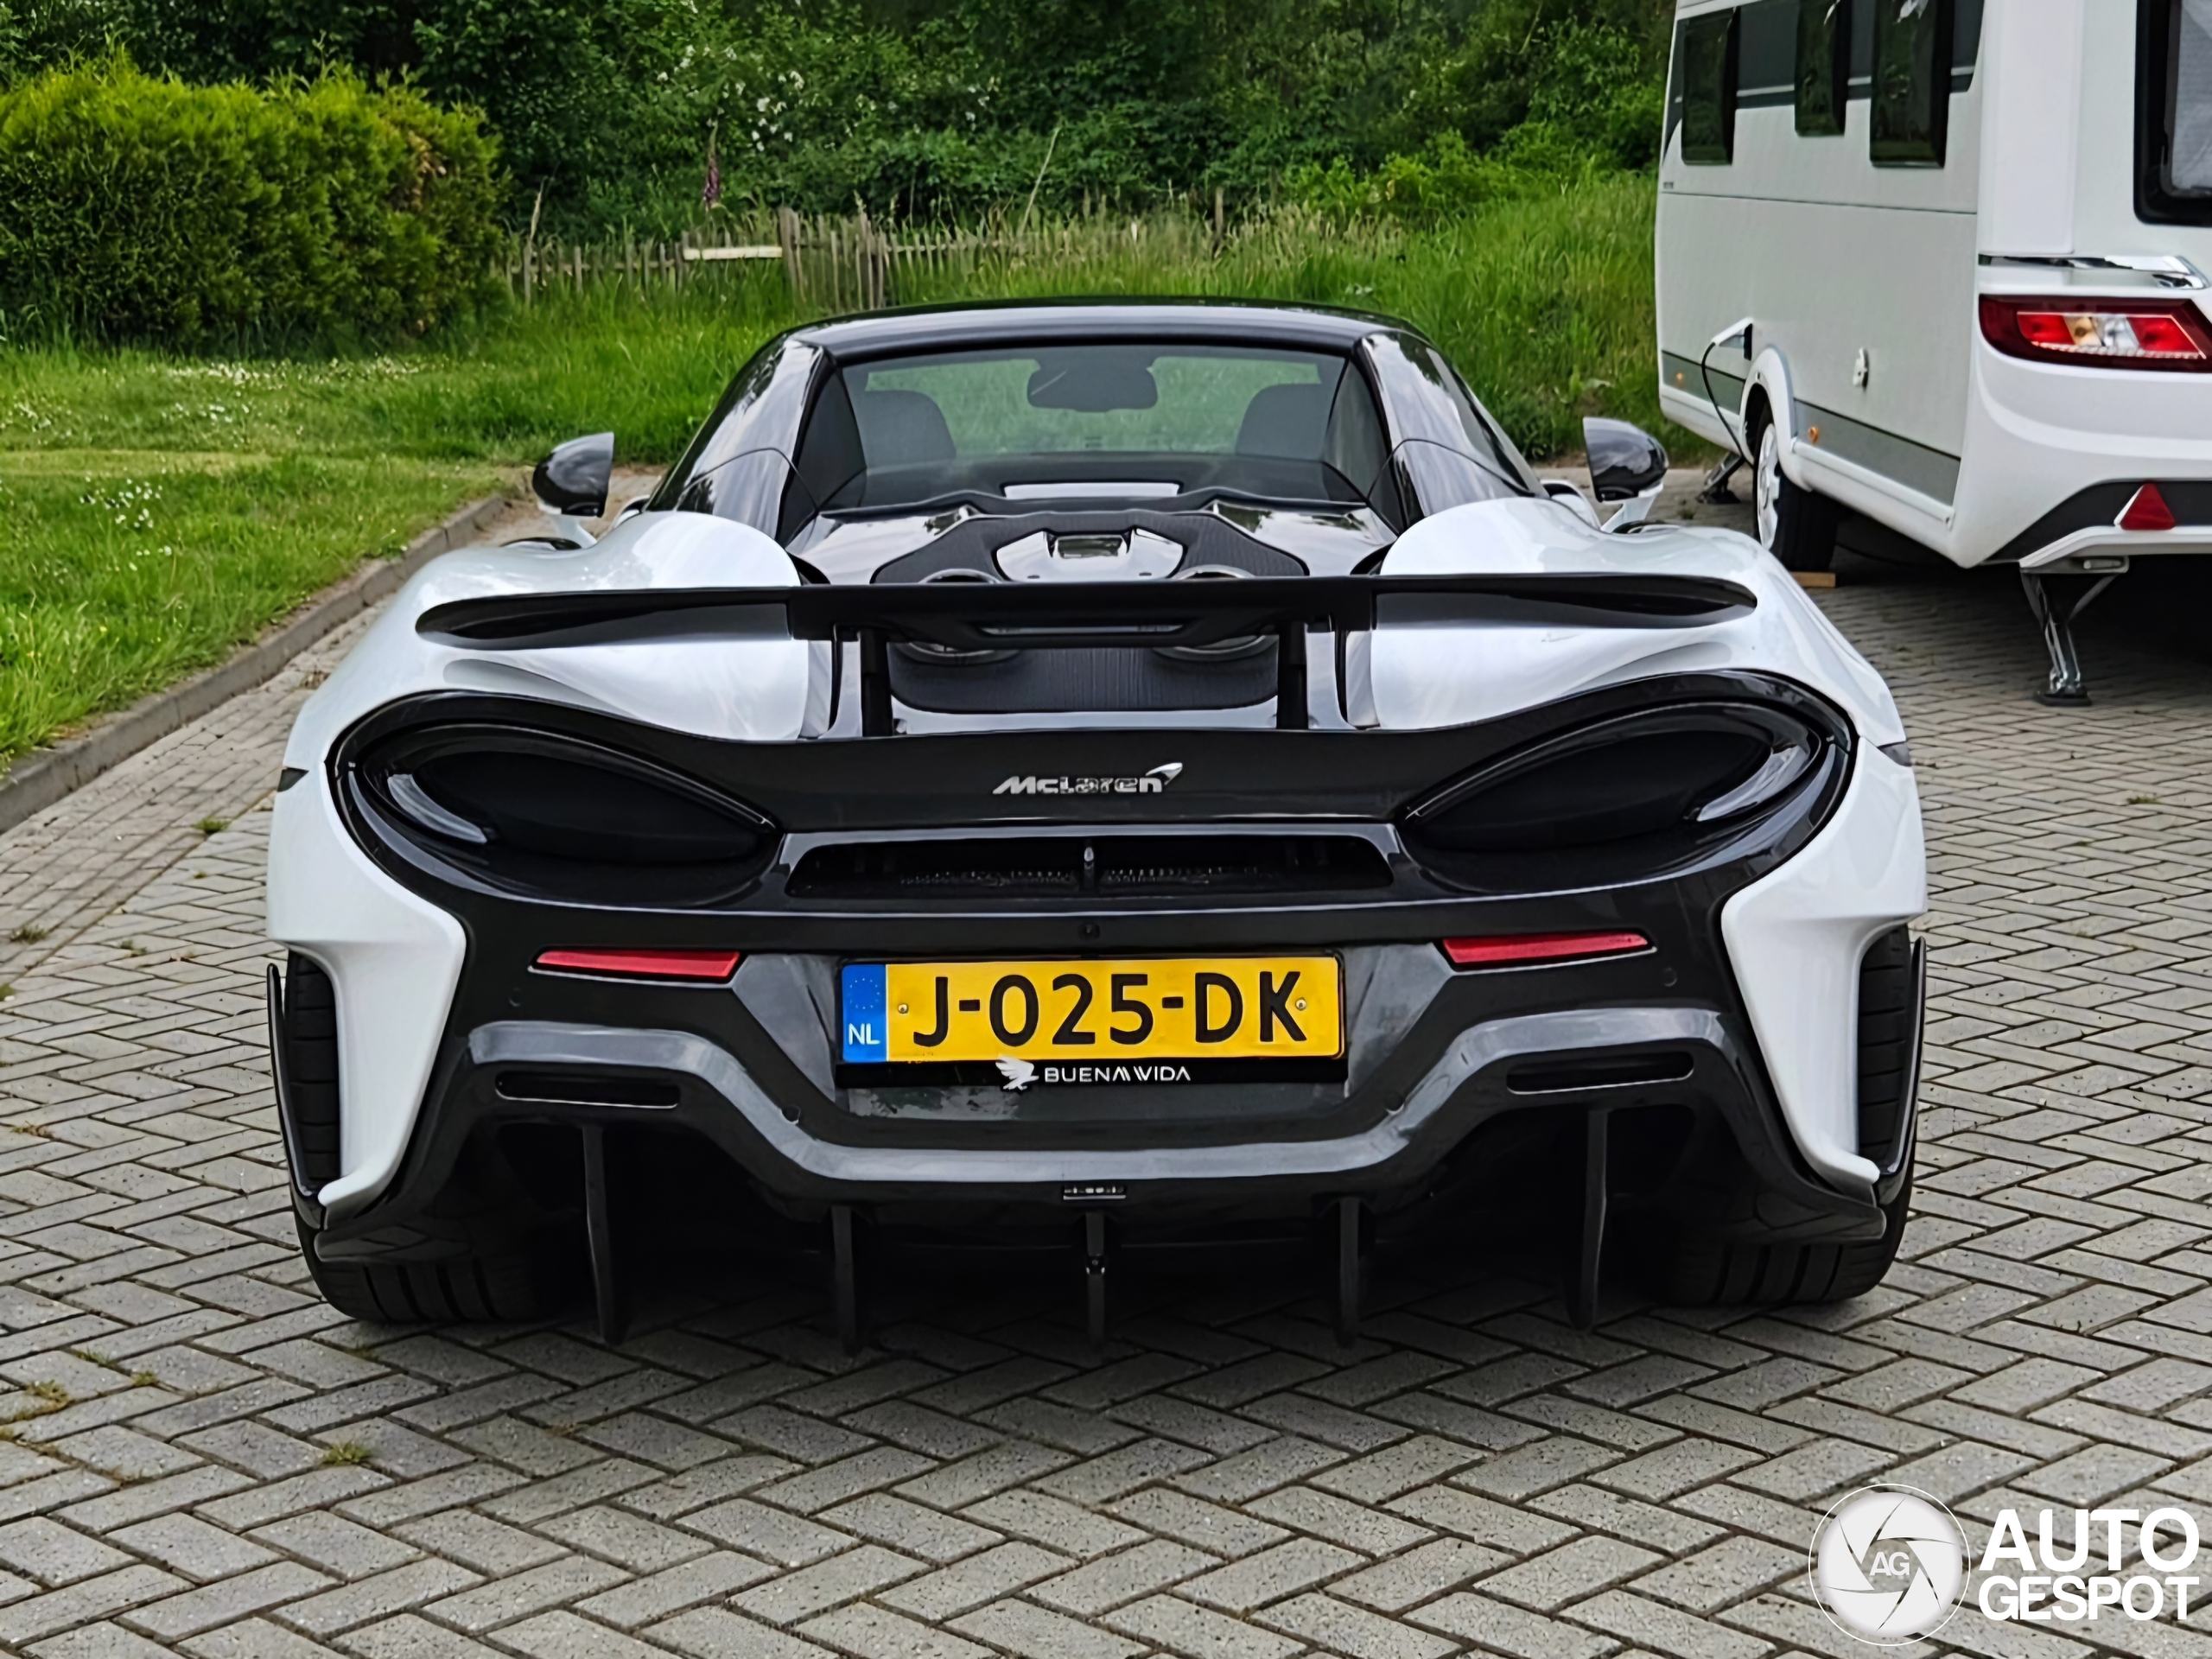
x,y
1121,420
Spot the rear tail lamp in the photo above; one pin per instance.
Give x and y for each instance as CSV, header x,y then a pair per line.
x,y
2100,334
557,817
550,796
564,804
696,967
1627,799
1525,950
1620,779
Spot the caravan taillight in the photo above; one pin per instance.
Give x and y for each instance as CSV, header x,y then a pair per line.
x,y
2100,334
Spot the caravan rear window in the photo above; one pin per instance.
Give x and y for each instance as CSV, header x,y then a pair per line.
x,y
1705,48
1912,82
2174,112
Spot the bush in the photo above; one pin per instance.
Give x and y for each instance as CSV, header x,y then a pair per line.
x,y
142,209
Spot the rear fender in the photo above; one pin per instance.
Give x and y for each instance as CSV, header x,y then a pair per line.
x,y
1770,377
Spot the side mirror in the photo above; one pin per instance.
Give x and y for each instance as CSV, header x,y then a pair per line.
x,y
572,482
1626,461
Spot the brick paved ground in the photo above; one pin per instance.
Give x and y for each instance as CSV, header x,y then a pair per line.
x,y
207,1460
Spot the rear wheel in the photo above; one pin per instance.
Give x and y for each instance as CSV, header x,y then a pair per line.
x,y
481,1289
1709,1273
1795,525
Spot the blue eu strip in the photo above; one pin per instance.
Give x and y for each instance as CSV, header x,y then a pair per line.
x,y
867,1030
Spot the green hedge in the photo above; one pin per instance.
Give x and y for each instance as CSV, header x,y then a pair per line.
x,y
141,208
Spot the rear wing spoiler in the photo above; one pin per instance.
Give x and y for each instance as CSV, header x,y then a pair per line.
x,y
1067,616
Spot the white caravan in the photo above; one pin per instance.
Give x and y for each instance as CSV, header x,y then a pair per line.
x,y
1943,264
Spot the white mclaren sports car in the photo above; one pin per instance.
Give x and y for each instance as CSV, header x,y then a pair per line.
x,y
1101,772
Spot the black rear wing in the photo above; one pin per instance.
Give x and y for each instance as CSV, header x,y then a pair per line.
x,y
1068,615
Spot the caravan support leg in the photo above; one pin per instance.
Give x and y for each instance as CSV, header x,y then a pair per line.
x,y
1716,491
2064,686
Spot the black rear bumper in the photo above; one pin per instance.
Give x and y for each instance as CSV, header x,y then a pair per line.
x,y
1701,1144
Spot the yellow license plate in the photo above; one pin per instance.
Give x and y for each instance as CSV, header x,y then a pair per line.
x,y
1173,1008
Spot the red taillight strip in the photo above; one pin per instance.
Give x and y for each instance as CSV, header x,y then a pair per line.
x,y
693,965
1507,950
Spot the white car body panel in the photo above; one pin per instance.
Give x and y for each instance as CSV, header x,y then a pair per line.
x,y
393,959
1794,937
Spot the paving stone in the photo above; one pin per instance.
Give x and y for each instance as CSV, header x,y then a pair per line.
x,y
969,1583
1354,1632
1176,1515
1721,1575
910,1527
1506,1628
253,1639
228,1600
54,1553
564,1636
658,1595
716,1633
755,1530
1372,1532
1053,1522
571,1578
792,1596
1417,1575
1178,1626
875,1633
1666,1630
378,1596
1569,1575
1271,1574
185,1544
410,1637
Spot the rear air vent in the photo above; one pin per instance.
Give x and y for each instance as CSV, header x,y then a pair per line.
x,y
1889,1031
1050,867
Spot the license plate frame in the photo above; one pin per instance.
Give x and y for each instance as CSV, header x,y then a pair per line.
x,y
1011,1022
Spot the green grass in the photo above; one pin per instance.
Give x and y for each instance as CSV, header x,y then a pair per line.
x,y
162,510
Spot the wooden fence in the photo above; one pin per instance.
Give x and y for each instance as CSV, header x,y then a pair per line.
x,y
853,263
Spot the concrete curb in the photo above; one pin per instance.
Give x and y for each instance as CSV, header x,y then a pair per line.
x,y
44,776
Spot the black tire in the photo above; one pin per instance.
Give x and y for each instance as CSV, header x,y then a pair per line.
x,y
1795,525
1716,1272
460,1289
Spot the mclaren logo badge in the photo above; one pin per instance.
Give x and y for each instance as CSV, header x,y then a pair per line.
x,y
1150,783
